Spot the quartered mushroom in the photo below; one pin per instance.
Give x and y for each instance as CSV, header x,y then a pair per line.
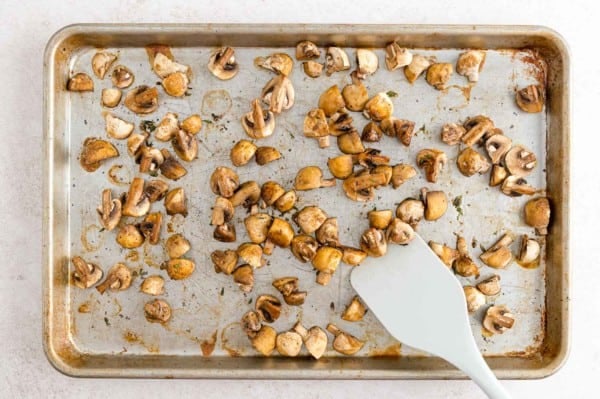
x,y
265,155
355,310
396,56
101,63
470,63
177,246
117,128
157,311
86,274
280,63
411,211
288,286
336,60
192,124
251,323
516,186
122,77
464,264
156,190
498,319
135,142
371,133
310,178
331,100
150,159
257,226
529,252
401,173
109,211
531,98
380,219
307,50
498,174
185,146
246,195
315,339
312,69
340,123
475,298
379,107
326,261
268,308
476,128
286,202
271,191
446,254
537,214
402,129
328,233
366,63
80,82
310,218
417,66
304,247
470,162
130,236
258,123
242,152
280,234
438,74
95,152
136,203
316,126
175,202
167,128
385,170
142,100
171,168
519,161
497,146
180,268
350,143
153,285
224,182
341,166
399,232
264,340
164,66
355,94
224,261
222,63
150,227
490,286
288,343
278,94
111,97
373,242
361,185
225,232
452,133
252,254
118,278
499,255
344,343
353,256
432,161
243,277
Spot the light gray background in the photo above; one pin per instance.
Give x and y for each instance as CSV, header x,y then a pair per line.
x,y
25,26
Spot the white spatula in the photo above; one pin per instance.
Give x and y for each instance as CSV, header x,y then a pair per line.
x,y
418,300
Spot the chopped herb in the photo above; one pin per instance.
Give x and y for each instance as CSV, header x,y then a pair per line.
x,y
332,306
222,291
148,126
249,301
392,93
153,173
457,202
292,135
106,321
102,229
482,247
187,94
207,121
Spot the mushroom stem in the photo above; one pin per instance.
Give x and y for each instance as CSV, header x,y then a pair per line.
x,y
224,58
258,116
108,283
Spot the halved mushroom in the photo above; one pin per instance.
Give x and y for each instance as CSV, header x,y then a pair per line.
x,y
225,232
475,298
531,98
497,146
470,63
86,274
177,246
265,155
401,173
498,174
371,132
353,256
224,182
167,128
175,202
271,191
304,247
171,168
222,211
326,261
312,69
243,277
316,126
350,143
355,310
439,74
470,162
164,65
246,195
464,264
117,128
344,342
445,253
122,77
129,236
288,343
452,133
311,177
490,286
80,82
498,319
402,129
95,152
157,311
529,252
340,123
150,227
101,63
310,218
417,66
315,339
379,107
373,242
257,123
252,254
251,323
436,203
192,124
380,219
519,161
185,146
355,94
307,50
224,261
153,285
280,63
257,226
499,255
149,158
286,285
118,278
268,308
411,211
136,203
399,232
111,97
280,234
136,142
328,233
396,56
278,94
176,84
341,166
432,161
516,186
361,185
180,268
477,127
286,202
336,60
537,214
109,211
366,63
331,101
222,63
142,100
242,152
265,340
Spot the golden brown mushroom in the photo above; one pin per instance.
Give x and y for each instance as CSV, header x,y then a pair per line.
x,y
136,203
122,77
86,274
315,339
109,211
153,285
222,212
353,256
304,247
531,98
490,286
175,202
344,343
117,128
336,60
258,123
222,63
464,265
396,56
265,340
118,278
470,162
373,242
331,101
380,219
142,100
401,173
355,94
476,128
498,255
225,232
101,63
475,298
417,66
171,168
411,211
280,234
399,232
316,126
129,236
246,195
150,227
326,261
445,253
157,311
288,343
224,261
519,161
452,133
529,252
312,69
361,185
111,97
402,129
498,174
192,124
278,94
177,246
180,268
95,152
470,63
350,143
432,161
355,310
537,214
243,276
268,308
265,155
310,218
80,82
379,107
280,63
327,233
251,323
242,152
439,74
371,133
516,186
498,319
497,146
224,182
257,226
436,204
252,254
185,146
307,50
310,178
341,167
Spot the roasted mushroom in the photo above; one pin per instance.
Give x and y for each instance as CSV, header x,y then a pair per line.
x,y
268,308
101,63
243,276
311,177
371,133
396,56
304,247
475,298
529,252
110,97
192,124
242,152
417,66
464,265
109,211
355,94
286,285
336,60
252,254
498,174
519,161
258,123
490,286
401,173
265,340
537,214
399,232
379,107
136,203
150,227
315,339
136,142
122,77
280,234
307,50
222,211
470,63
366,63
498,255
355,310
86,274
310,218
340,123
288,343
432,161
153,285
531,98
344,343
80,82
452,133
312,69
350,143
175,202
167,128
164,65
118,278
353,256
497,146
380,219
270,192
222,63
286,202
373,242
157,311
265,155
470,162
177,246
516,186
224,182
257,226
331,101
316,126
402,129
180,268
278,94
185,146
251,323
142,100
224,261
361,185
445,253
439,74
225,232
95,152
327,233
246,195
498,319
129,236
326,261
280,63
476,128
411,211
341,166
150,159
171,168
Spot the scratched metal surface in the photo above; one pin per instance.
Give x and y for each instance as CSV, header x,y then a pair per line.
x,y
207,306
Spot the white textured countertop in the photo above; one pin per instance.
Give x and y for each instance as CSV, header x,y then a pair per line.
x,y
25,26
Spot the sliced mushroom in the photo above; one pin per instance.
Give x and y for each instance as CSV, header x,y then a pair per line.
x,y
445,253
326,261
129,236
185,146
118,278
222,63
265,340
86,274
470,162
268,308
331,101
310,218
243,276
304,247
286,285
142,100
167,128
153,285
251,254
353,256
315,339
242,152
380,219
257,123
192,124
171,168
328,233
401,173
80,82
312,69
246,195
180,268
470,63
280,63
122,77
224,182
464,264
361,185
175,202
417,66
111,97
150,227
316,126
225,232
280,234
164,65
350,143
340,123
136,203
498,319
265,155
497,146
286,202
371,133
355,310
251,323
432,161
311,177
411,211
436,203
117,128
516,186
476,128
336,60
531,98
95,152
109,211
396,56
498,174
439,74
355,94
519,161
307,50
288,343
257,226
366,63
341,166
475,298
452,133
279,94
136,142
222,212
373,242
379,107
157,311
490,286
537,214
344,342
529,252
101,63
149,158
399,232
499,255
224,261
402,129
177,246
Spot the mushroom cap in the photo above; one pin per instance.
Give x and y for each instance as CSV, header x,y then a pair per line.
x,y
331,101
355,96
176,84
327,233
464,266
265,340
315,124
452,133
95,152
373,242
537,214
490,286
171,168
519,161
153,285
327,259
432,161
417,66
192,124
80,82
257,226
470,63
307,50
118,278
280,233
354,311
367,62
289,343
497,146
304,247
286,202
167,128
399,232
475,299
117,128
111,97
222,63
185,146
396,56
280,63
142,100
344,343
497,258
411,211
242,152
315,339
336,60
271,191
129,236
371,132
122,77
531,98
312,69
251,253
529,252
350,143
402,129
175,202
164,66
439,74
224,181
341,167
310,178
380,219
177,246
498,319
353,256
243,276
379,107
180,268
470,162
101,63
86,274
310,218
402,173
265,155
224,261
268,308
157,311
246,195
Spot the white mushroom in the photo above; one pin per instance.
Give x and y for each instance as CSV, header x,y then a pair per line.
x,y
396,56
117,128
336,60
101,63
163,66
367,63
470,63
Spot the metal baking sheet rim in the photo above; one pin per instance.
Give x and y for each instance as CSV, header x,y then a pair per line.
x,y
66,358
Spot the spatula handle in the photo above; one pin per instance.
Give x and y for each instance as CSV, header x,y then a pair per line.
x,y
476,367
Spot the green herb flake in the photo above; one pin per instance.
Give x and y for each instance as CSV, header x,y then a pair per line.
x,y
222,291
207,121
106,321
148,126
457,202
249,301
391,94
